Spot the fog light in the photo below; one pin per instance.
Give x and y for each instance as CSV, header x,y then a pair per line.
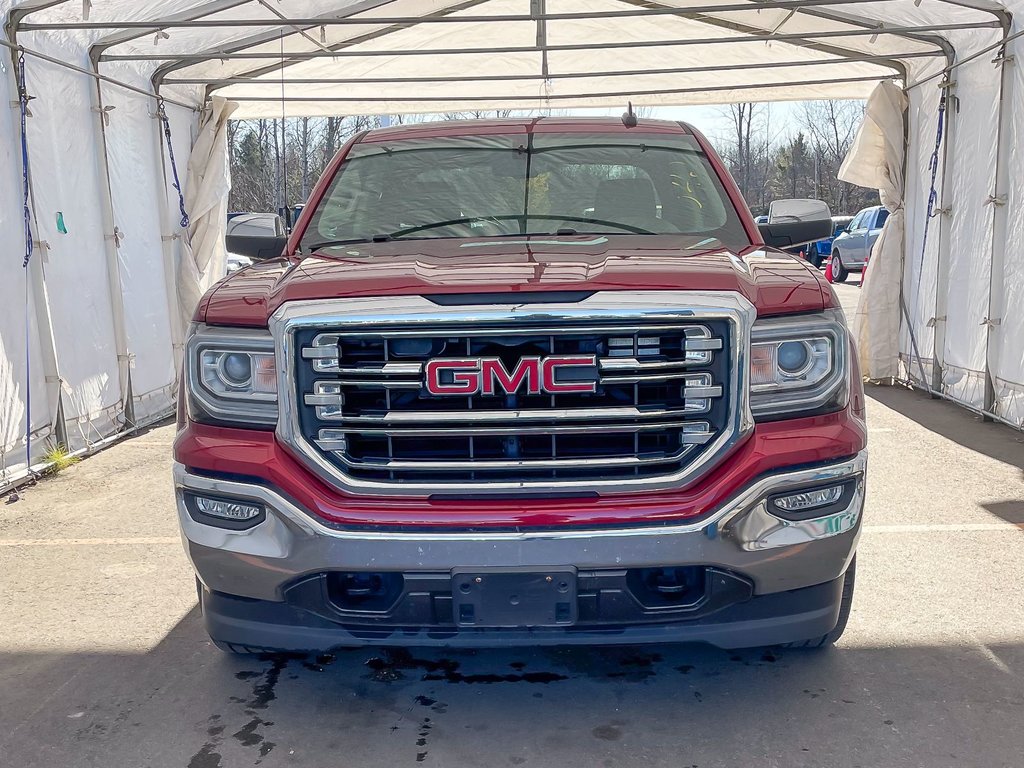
x,y
227,510
800,502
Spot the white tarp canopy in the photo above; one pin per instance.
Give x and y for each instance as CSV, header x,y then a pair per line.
x,y
91,330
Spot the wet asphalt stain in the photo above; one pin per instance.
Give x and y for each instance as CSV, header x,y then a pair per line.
x,y
607,732
421,739
250,735
319,662
208,756
391,665
635,667
525,677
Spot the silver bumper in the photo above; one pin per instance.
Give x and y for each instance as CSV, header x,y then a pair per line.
x,y
741,536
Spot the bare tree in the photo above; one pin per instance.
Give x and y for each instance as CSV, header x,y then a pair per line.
x,y
831,127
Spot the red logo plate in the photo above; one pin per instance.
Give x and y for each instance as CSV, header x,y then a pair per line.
x,y
489,376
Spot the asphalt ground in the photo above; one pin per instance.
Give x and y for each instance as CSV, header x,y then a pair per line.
x,y
104,663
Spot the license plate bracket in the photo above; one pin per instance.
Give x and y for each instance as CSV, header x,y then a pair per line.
x,y
514,597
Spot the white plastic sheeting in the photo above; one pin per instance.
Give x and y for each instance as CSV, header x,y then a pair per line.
x,y
204,259
104,299
876,160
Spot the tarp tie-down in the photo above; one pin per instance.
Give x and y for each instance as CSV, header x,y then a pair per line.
x,y
162,113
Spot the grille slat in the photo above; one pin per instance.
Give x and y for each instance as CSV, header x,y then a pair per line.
x,y
659,399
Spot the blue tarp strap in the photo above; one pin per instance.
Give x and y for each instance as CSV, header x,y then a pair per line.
x,y
162,114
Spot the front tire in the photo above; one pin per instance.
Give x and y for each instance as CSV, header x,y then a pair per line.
x,y
814,258
845,606
839,272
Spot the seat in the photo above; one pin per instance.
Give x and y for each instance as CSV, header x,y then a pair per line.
x,y
417,202
628,201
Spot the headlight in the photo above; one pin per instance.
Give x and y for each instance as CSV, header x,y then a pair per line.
x,y
798,365
231,376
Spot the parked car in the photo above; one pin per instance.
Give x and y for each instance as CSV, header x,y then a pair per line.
x,y
851,249
495,395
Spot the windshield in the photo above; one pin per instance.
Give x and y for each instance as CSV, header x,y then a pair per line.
x,y
518,184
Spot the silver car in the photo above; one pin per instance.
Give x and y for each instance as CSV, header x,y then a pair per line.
x,y
851,249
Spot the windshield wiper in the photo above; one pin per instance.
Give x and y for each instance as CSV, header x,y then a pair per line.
x,y
348,241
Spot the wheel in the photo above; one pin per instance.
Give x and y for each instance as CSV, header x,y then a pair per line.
x,y
845,604
839,272
813,257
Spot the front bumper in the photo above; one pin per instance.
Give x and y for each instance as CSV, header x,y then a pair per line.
x,y
256,580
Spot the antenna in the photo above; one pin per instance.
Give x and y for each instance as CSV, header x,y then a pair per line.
x,y
629,116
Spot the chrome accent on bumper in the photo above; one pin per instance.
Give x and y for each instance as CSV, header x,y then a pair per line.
x,y
741,536
605,312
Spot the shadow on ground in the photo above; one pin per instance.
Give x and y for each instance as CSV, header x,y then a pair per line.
x,y
995,440
186,704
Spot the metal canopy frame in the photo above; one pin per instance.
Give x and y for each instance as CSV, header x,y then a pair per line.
x,y
279,26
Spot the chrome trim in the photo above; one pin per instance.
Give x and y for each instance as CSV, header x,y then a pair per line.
x,y
485,465
729,521
632,363
547,414
759,529
603,312
698,437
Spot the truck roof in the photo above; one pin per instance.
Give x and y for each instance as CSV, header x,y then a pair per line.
x,y
523,125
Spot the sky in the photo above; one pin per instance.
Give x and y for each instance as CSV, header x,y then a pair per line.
x,y
712,120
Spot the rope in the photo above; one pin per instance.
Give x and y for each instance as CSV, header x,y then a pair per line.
x,y
162,114
27,213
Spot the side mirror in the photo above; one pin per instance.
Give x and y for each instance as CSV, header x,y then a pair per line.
x,y
256,247
796,222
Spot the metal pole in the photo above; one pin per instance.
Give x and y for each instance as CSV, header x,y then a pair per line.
x,y
746,38
318,21
564,96
220,82
15,48
111,236
998,200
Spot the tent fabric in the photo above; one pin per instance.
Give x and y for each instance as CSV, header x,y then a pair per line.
x,y
876,160
98,350
204,258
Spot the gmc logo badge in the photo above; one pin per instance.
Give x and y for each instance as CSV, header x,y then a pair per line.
x,y
488,375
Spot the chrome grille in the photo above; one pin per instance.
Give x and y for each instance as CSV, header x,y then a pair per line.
x,y
667,397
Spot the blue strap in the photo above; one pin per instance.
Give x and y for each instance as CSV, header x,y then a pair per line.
x,y
933,164
26,207
174,168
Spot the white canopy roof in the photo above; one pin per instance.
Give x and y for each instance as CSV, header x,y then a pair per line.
x,y
394,56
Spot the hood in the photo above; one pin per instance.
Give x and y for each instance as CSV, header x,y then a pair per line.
x,y
773,281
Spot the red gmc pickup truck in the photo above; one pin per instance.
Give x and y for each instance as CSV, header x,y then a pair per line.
x,y
534,381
